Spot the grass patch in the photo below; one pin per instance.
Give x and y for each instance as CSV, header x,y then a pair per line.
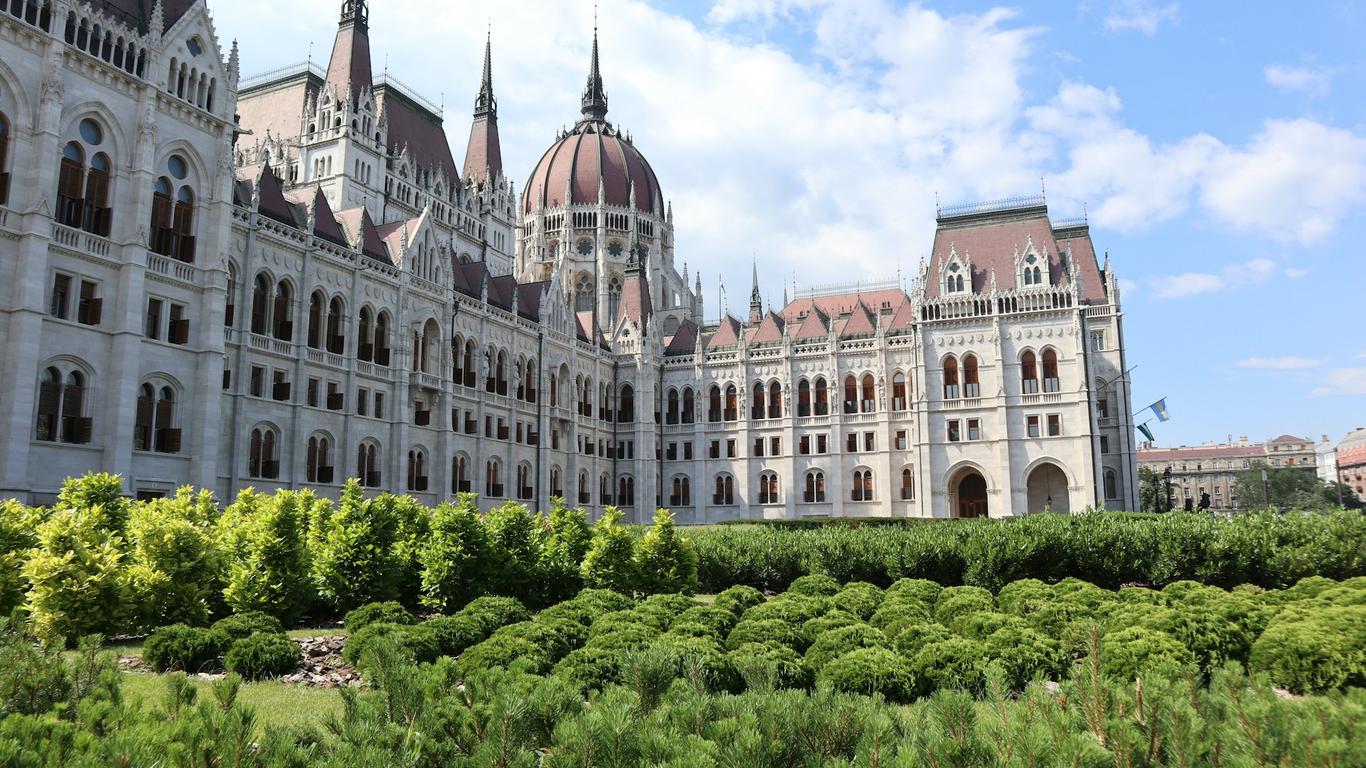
x,y
276,704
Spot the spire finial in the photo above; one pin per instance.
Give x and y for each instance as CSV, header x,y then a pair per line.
x,y
594,104
484,103
355,12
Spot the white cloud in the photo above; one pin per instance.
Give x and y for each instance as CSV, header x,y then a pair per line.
x,y
1343,382
1278,363
1142,15
1295,273
728,11
1231,277
1310,79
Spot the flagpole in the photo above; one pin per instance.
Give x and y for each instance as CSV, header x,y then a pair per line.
x,y
1149,408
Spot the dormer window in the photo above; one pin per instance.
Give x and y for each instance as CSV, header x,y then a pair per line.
x,y
195,46
1033,275
954,282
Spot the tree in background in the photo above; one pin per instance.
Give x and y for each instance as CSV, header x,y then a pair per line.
x,y
351,548
267,557
567,535
457,558
1288,488
515,535
665,561
1151,497
610,560
174,569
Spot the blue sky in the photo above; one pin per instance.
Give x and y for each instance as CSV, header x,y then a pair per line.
x,y
1219,148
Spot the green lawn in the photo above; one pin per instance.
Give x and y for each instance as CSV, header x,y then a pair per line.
x,y
275,703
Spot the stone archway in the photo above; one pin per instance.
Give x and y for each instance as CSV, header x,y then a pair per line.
x,y
1047,489
970,495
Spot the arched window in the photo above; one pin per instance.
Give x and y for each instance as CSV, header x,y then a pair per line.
x,y
493,479
869,392
671,407
604,490
142,421
899,402
1029,373
583,294
260,304
803,398
4,159
1111,485
907,484
315,320
532,389
263,458
382,339
367,464
183,235
606,403
822,397
284,326
850,394
524,489
1050,371
500,372
556,487
490,376
417,470
471,364
336,320
862,490
431,348
365,349
626,491
585,492
950,378
613,298
756,403
61,407
688,416
460,474
627,413
96,218
714,404
732,403
815,487
680,494
971,384
768,488
775,400
70,186
319,460
725,490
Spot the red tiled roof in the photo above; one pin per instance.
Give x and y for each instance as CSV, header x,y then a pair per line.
x,y
349,69
727,335
904,319
392,235
529,296
360,229
684,341
325,222
585,325
860,323
844,303
814,325
770,330
1202,452
592,153
484,154
273,202
991,242
469,278
1288,439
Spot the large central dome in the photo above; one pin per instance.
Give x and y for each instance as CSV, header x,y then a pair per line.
x,y
593,156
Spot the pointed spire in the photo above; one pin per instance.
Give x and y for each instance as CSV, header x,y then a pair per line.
x,y
485,104
234,64
594,97
157,25
349,71
355,12
756,301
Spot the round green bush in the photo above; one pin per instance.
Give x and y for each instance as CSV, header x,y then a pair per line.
x,y
591,668
794,609
838,642
243,625
859,598
188,649
388,612
705,658
666,607
627,637
583,613
603,600
718,619
1305,656
263,655
922,591
870,671
891,618
551,644
738,599
816,584
913,637
818,626
1025,656
571,633
979,625
956,601
611,622
455,633
1023,597
1137,652
766,631
955,663
694,629
494,612
416,642
506,652
768,666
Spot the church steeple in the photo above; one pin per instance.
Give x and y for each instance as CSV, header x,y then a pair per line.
x,y
349,71
484,155
756,302
594,97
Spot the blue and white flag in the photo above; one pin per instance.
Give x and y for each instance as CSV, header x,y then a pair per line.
x,y
1160,409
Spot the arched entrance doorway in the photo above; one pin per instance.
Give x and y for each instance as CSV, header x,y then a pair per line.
x,y
1047,486
971,496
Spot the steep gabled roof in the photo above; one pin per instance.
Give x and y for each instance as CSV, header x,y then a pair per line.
x,y
273,202
635,300
904,319
860,323
361,230
727,335
814,326
839,304
529,296
418,129
468,278
770,330
325,224
684,341
393,234
585,324
500,291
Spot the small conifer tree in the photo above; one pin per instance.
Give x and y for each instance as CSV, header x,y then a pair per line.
x,y
457,557
665,561
610,561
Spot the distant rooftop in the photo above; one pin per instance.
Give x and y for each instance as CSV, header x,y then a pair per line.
x,y
846,288
385,81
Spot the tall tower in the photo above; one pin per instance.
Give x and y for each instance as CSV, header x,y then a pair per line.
x,y
350,70
484,156
756,303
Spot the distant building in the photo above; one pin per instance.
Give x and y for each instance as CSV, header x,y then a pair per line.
x,y
1211,468
1326,459
1290,451
1351,462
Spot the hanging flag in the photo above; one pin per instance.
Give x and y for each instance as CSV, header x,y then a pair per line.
x,y
1148,433
1160,408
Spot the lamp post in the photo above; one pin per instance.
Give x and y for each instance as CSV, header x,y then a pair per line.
x,y
1167,488
1266,489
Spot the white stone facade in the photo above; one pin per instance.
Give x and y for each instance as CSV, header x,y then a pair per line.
x,y
341,300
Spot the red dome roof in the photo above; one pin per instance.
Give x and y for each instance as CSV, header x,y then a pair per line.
x,y
591,153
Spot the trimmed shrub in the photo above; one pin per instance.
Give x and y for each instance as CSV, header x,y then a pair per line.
x,y
571,610
1306,656
816,584
570,632
952,663
174,567
922,591
772,631
243,625
701,657
185,648
604,600
98,492
891,617
979,625
416,642
75,577
494,612
957,601
455,633
1023,597
510,651
352,556
665,607
859,598
1025,656
769,666
263,541
591,668
1136,652
389,612
633,618
738,599
624,637
914,637
457,558
263,655
794,609
695,629
870,671
610,560
814,628
838,642
665,561
553,645
719,619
